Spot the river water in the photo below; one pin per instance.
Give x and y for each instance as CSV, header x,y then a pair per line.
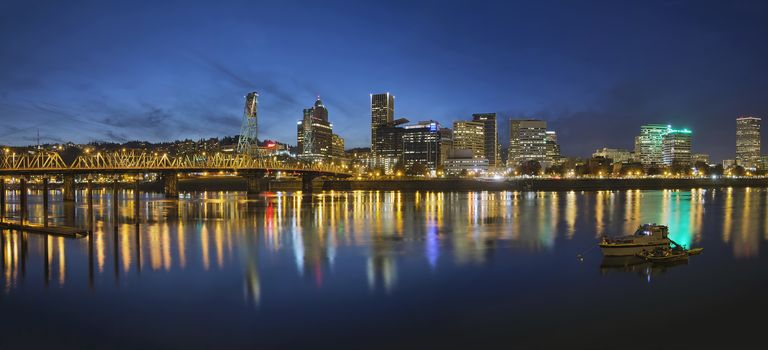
x,y
384,270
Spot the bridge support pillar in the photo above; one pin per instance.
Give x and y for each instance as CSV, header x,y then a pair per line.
x,y
2,199
257,182
170,185
115,203
136,201
23,199
45,201
68,193
89,199
306,182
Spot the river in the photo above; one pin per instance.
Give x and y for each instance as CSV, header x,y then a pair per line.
x,y
383,269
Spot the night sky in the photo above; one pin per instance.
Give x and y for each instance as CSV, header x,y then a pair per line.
x,y
594,70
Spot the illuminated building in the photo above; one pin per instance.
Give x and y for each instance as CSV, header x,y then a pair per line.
x,y
421,145
314,133
553,148
470,136
748,142
337,146
700,157
446,143
463,160
527,141
676,147
382,114
389,142
491,132
617,155
648,145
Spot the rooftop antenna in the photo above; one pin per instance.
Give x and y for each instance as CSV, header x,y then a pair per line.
x,y
38,138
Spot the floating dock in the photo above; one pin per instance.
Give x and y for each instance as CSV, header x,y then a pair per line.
x,y
66,231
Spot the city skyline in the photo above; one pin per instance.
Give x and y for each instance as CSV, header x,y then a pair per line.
x,y
116,86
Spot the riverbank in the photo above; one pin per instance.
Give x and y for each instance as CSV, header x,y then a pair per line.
x,y
542,184
229,183
234,183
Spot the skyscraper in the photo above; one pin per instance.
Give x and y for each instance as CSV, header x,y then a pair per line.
x,y
676,147
748,142
648,145
553,148
421,145
389,145
491,131
469,136
382,114
527,141
314,133
337,146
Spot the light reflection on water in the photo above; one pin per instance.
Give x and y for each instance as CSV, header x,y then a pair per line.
x,y
380,241
211,230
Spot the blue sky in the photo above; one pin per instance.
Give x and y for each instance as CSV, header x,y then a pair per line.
x,y
116,71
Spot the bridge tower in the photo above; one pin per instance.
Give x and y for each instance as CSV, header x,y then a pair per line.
x,y
249,131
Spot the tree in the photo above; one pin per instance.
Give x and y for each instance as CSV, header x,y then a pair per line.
x,y
716,170
417,169
378,170
654,170
531,167
736,170
680,169
556,170
630,169
702,168
399,168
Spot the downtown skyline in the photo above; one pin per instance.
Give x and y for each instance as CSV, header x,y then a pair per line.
x,y
174,81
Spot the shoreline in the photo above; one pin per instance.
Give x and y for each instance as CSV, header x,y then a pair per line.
x,y
233,183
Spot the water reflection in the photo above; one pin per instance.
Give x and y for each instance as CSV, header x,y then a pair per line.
x,y
374,233
637,266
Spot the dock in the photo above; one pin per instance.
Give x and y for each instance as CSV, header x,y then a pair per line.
x,y
66,231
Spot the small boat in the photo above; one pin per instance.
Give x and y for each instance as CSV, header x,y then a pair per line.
x,y
646,238
664,255
695,251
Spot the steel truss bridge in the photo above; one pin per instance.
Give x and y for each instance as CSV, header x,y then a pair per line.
x,y
137,162
149,162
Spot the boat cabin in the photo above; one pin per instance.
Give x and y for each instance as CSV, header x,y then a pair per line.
x,y
652,230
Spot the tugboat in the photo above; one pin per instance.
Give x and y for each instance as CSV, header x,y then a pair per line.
x,y
646,238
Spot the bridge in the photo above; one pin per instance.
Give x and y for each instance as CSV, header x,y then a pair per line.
x,y
48,163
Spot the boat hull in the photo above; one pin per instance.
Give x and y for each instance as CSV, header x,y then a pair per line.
x,y
629,249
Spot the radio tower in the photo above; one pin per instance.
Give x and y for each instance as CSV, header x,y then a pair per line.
x,y
248,132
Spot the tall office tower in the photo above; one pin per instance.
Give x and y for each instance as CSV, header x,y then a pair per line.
x,y
676,147
247,142
421,145
337,146
382,114
648,146
527,141
446,144
748,142
389,145
469,136
553,148
314,133
491,131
